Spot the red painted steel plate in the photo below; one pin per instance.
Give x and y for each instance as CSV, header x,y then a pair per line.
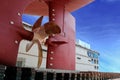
x,y
11,29
41,8
62,56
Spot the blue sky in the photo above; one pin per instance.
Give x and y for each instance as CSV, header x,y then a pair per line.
x,y
99,25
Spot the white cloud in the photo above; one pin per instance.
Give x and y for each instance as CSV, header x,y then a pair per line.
x,y
109,62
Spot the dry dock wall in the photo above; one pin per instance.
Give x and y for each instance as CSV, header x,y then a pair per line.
x,y
17,73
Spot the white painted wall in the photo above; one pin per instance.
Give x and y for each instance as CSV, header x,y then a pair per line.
x,y
31,57
83,62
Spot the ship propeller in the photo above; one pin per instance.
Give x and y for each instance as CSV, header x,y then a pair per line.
x,y
40,34
35,29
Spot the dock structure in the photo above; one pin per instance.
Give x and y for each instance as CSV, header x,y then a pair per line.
x,y
17,73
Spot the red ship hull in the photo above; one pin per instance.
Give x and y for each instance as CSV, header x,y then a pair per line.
x,y
61,56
